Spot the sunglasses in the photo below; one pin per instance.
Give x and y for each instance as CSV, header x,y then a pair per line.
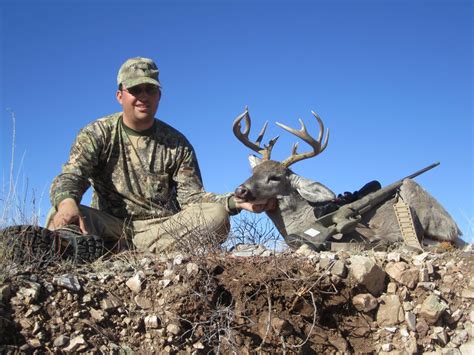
x,y
137,90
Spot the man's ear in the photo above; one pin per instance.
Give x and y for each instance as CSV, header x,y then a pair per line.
x,y
254,161
118,95
310,190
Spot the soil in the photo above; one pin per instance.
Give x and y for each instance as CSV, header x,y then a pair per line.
x,y
284,303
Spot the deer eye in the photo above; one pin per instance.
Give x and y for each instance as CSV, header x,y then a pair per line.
x,y
274,178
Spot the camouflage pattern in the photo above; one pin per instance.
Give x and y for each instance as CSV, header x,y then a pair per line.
x,y
136,71
156,178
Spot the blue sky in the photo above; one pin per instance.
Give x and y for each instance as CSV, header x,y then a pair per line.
x,y
393,81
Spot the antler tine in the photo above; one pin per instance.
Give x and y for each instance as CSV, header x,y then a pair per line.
x,y
321,131
244,136
318,148
261,134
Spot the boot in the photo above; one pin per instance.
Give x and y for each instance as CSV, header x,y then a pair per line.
x,y
30,244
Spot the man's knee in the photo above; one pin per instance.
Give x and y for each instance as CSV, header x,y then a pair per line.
x,y
216,217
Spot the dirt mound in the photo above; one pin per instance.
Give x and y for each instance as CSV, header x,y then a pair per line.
x,y
303,302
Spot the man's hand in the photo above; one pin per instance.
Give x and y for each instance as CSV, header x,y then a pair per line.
x,y
258,207
68,213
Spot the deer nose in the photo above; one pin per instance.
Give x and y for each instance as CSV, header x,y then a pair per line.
x,y
241,192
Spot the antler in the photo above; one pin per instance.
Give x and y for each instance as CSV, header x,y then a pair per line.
x,y
303,134
266,150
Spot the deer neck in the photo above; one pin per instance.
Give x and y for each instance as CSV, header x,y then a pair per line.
x,y
292,214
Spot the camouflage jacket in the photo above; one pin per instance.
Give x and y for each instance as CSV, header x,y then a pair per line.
x,y
134,175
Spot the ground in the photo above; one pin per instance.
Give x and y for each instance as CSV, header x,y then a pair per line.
x,y
292,302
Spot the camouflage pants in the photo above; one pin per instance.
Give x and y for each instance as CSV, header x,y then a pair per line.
x,y
197,226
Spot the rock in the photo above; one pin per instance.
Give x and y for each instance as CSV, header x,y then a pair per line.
x,y
440,335
424,276
178,259
151,322
403,273
422,327
340,344
192,269
460,338
34,309
135,283
110,302
420,258
467,348
34,343
5,293
168,274
364,302
37,328
391,287
366,272
248,250
387,347
30,293
68,281
393,257
432,308
404,332
173,328
390,311
411,346
281,326
143,302
410,319
97,314
76,344
164,283
305,250
146,262
87,298
455,316
198,346
61,341
324,262
339,269
430,286
429,268
467,293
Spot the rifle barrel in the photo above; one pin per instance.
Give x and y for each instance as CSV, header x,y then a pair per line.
x,y
419,172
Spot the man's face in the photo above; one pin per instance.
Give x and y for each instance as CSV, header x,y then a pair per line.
x,y
139,104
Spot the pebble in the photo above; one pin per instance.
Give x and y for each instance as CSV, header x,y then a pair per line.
x,y
366,272
61,341
432,308
136,282
68,281
151,322
192,269
173,329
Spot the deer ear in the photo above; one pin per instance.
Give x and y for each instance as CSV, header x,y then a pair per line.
x,y
254,161
310,190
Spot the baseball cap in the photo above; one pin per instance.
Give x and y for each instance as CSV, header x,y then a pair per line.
x,y
138,70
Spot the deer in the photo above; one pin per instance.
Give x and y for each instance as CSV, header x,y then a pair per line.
x,y
299,199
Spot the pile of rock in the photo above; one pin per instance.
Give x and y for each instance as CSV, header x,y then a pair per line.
x,y
420,301
409,303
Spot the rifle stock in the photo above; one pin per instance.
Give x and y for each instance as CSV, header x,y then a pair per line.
x,y
346,218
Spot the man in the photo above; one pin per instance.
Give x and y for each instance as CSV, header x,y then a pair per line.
x,y
146,179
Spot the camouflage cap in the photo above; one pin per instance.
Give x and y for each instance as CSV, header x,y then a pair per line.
x,y
136,71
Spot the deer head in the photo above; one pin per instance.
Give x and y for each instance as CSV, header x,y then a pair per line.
x,y
272,179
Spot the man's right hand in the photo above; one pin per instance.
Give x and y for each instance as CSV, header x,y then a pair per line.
x,y
68,213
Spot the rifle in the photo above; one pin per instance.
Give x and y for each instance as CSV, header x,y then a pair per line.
x,y
346,218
